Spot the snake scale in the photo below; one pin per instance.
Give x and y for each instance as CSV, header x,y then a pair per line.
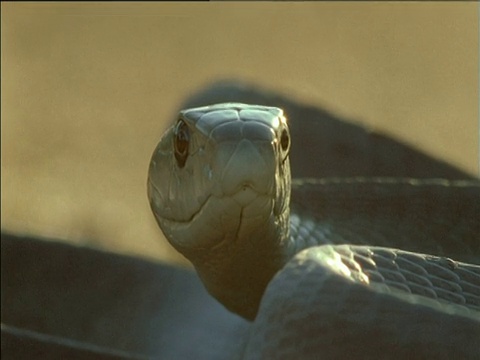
x,y
325,268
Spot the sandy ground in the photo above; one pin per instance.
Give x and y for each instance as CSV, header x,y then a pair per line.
x,y
87,90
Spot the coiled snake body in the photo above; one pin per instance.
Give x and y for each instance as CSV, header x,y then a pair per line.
x,y
320,273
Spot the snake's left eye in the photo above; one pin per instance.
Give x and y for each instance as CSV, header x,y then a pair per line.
x,y
181,142
284,140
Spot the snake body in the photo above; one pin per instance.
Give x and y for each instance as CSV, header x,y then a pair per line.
x,y
306,257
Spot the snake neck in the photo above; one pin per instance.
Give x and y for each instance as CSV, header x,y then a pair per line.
x,y
237,271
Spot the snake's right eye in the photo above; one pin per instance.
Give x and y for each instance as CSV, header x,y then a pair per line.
x,y
181,142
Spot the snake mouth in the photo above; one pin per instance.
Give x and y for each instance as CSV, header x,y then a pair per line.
x,y
222,219
243,197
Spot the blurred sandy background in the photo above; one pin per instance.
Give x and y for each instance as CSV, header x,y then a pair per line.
x,y
87,90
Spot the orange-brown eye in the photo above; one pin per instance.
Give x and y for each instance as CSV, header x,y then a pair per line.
x,y
284,140
181,142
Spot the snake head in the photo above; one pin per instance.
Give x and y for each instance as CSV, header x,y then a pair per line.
x,y
219,172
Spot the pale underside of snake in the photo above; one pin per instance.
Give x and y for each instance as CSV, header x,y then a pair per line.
x,y
325,268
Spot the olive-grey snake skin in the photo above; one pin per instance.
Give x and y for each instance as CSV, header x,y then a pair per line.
x,y
219,186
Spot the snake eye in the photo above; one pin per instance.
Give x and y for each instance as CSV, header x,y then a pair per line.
x,y
284,140
181,141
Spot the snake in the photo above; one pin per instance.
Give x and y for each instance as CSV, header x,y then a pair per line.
x,y
376,267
